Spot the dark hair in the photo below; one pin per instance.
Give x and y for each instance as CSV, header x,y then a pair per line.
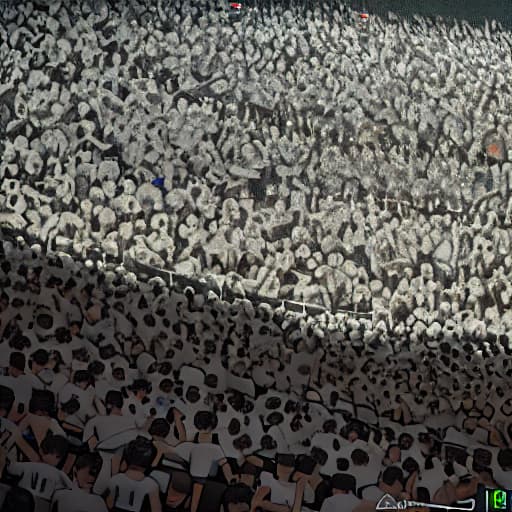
x,y
343,482
40,357
140,385
71,406
211,380
267,442
7,398
83,376
320,455
402,438
192,395
205,420
55,445
159,427
140,452
91,460
285,459
113,399
305,464
505,458
234,427
18,360
392,474
42,401
410,465
238,493
359,457
18,499
243,442
96,368
342,464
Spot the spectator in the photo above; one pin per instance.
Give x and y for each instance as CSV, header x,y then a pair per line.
x,y
391,482
43,478
80,497
343,497
129,490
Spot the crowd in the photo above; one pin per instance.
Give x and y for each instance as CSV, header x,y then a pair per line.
x,y
296,158
118,395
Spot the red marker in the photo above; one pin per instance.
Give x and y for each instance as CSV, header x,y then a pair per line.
x,y
364,15
236,5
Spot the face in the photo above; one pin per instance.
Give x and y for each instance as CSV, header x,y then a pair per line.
x,y
84,479
352,436
394,454
51,459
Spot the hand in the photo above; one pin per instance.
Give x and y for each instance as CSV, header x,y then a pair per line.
x,y
259,496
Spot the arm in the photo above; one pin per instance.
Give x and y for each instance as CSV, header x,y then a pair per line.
x,y
366,506
182,433
27,450
299,494
258,501
154,501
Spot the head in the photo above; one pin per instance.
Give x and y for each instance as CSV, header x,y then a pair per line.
x,y
42,403
139,454
114,402
285,463
237,498
205,421
305,465
6,401
392,477
393,453
343,483
359,457
17,363
86,470
160,428
505,459
140,388
83,379
54,449
18,500
39,360
405,441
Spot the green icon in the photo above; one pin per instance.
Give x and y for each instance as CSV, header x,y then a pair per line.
x,y
498,500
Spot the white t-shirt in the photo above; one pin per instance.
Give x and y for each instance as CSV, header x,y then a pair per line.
x,y
340,502
42,480
129,494
281,493
373,493
106,427
76,500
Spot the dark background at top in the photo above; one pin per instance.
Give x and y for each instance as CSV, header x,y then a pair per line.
x,y
474,11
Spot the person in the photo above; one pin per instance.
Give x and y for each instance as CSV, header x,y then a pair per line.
x,y
132,490
43,478
343,497
18,500
80,497
109,434
317,488
237,498
175,489
391,482
276,492
10,434
39,422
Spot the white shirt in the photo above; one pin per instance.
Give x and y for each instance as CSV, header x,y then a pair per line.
x,y
76,500
281,493
129,494
107,427
340,502
42,480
